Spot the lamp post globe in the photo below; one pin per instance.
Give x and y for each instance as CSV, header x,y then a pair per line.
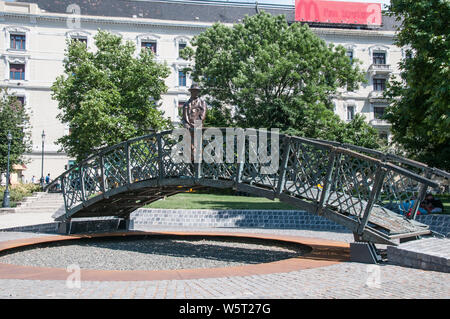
x,y
6,194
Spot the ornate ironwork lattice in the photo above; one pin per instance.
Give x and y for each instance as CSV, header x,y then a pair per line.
x,y
367,191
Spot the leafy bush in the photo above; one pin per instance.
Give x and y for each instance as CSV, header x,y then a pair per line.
x,y
18,192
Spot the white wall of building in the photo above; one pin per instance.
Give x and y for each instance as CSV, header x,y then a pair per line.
x,y
46,36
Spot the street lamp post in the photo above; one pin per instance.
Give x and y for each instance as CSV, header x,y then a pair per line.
x,y
42,165
6,194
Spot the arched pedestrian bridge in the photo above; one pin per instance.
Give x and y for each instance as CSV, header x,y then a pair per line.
x,y
352,186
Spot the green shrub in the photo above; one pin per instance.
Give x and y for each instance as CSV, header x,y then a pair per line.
x,y
17,192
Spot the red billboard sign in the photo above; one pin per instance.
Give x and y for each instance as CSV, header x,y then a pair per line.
x,y
338,12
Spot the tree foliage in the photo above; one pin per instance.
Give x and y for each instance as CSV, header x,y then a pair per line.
x,y
13,119
420,100
109,95
276,76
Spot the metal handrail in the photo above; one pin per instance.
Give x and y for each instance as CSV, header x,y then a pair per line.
x,y
346,169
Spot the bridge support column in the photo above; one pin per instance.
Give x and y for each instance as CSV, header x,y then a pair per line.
x,y
365,253
64,227
124,224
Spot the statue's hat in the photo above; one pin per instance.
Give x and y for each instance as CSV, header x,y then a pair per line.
x,y
194,86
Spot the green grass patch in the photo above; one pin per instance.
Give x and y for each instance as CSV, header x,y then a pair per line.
x,y
228,199
217,200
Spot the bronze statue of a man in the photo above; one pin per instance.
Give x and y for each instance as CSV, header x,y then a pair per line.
x,y
194,109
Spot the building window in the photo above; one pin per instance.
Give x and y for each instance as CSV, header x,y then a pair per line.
x,y
149,45
350,55
384,137
378,112
180,109
350,112
21,100
351,86
379,58
379,84
181,78
17,71
80,39
17,41
181,46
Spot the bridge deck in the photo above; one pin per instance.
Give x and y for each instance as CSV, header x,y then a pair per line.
x,y
382,217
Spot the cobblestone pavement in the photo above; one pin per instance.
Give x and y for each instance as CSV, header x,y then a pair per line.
x,y
439,247
24,219
344,236
345,280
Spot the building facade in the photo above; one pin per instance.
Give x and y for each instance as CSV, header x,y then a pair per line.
x,y
33,41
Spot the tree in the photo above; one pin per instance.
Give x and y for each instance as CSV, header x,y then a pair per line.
x,y
358,130
13,119
108,96
274,74
419,107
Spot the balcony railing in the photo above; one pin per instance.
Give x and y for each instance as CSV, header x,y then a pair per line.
x,y
377,96
380,123
379,69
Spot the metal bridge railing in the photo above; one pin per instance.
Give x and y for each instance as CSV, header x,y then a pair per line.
x,y
346,179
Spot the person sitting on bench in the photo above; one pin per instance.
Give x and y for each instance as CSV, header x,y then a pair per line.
x,y
433,205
